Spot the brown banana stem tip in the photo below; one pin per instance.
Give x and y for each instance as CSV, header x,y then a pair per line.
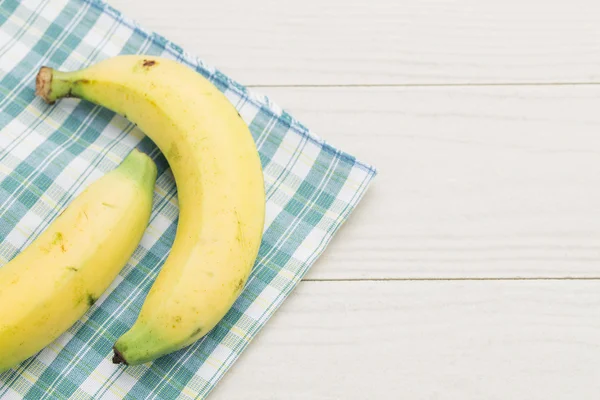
x,y
43,83
118,357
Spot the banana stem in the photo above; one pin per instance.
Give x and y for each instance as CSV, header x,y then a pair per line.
x,y
118,358
52,85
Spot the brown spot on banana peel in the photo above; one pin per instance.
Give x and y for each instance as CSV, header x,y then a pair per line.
x,y
173,153
91,299
75,83
57,238
196,332
239,285
58,241
148,63
240,235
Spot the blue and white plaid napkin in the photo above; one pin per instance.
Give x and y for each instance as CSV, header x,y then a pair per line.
x,y
48,155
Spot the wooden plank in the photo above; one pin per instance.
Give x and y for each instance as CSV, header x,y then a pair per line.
x,y
426,340
473,182
383,41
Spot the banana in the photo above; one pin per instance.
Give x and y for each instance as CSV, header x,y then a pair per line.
x,y
48,286
220,187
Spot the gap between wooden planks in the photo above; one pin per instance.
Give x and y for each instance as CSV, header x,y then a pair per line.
x,y
477,182
327,42
426,340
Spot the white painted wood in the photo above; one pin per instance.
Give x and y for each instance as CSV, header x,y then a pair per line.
x,y
473,182
383,41
492,340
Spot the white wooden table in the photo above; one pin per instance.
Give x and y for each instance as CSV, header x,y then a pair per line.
x,y
471,270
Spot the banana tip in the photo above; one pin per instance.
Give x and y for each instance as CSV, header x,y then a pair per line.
x,y
118,357
43,83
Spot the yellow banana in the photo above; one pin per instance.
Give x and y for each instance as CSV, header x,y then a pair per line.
x,y
48,286
220,189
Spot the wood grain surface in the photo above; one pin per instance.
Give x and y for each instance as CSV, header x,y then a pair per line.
x,y
475,182
531,340
353,42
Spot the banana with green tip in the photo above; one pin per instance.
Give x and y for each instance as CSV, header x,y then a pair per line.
x,y
220,189
48,286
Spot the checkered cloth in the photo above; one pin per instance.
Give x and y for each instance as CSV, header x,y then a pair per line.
x,y
48,155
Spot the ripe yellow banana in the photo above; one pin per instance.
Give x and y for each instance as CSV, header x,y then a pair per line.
x,y
58,277
220,189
